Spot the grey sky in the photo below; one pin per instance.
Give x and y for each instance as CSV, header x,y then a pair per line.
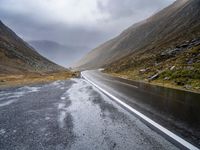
x,y
85,23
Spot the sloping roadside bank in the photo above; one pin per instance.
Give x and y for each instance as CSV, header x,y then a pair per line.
x,y
158,82
177,67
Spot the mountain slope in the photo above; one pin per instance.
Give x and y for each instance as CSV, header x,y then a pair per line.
x,y
173,60
16,56
61,54
20,64
177,23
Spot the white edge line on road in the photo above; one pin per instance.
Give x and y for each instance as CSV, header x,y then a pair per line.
x,y
177,139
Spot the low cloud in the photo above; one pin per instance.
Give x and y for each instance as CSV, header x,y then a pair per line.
x,y
81,23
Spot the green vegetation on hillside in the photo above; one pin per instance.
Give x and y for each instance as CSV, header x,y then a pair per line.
x,y
169,27
177,67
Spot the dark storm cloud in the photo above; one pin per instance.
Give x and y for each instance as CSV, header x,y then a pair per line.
x,y
85,23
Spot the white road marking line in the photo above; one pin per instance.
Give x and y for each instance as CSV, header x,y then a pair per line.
x,y
63,98
178,140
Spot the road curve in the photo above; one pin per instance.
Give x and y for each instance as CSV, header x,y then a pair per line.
x,y
70,115
153,102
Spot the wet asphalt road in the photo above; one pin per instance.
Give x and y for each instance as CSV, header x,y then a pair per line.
x,y
176,110
71,114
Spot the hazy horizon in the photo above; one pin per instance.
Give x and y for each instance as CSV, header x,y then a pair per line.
x,y
81,25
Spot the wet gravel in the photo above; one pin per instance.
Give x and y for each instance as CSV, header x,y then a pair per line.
x,y
67,115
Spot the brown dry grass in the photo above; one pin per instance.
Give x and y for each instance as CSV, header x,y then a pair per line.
x,y
34,78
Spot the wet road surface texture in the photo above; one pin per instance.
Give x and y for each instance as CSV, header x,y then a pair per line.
x,y
70,115
176,110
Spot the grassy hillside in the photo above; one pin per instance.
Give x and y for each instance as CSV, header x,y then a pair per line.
x,y
16,56
162,50
21,64
175,24
177,67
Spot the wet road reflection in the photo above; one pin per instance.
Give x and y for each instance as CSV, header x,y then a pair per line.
x,y
70,115
175,109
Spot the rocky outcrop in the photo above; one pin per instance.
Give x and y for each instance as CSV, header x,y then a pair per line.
x,y
172,52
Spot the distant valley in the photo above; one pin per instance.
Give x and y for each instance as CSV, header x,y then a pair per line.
x,y
56,52
22,64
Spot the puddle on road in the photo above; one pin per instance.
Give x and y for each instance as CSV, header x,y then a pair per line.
x,y
7,98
